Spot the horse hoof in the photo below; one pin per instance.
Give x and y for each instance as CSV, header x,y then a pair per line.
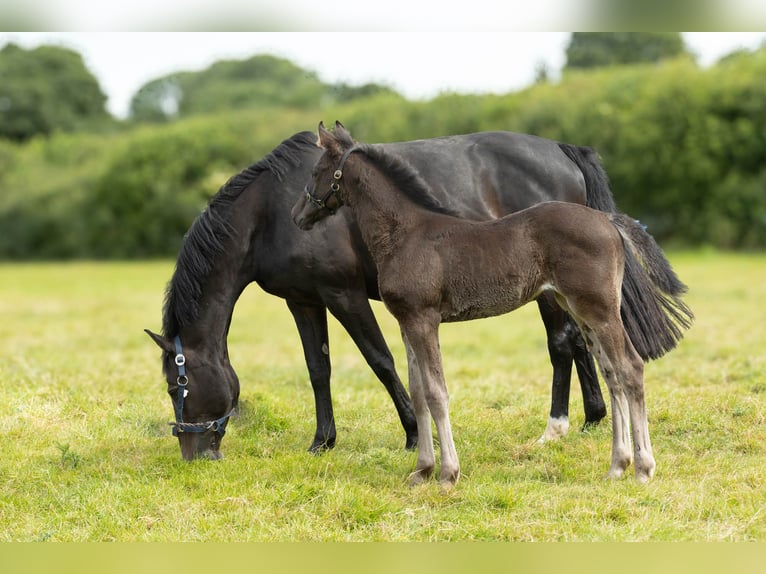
x,y
555,429
412,443
589,425
318,447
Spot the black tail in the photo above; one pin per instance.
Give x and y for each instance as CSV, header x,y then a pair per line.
x,y
598,194
652,311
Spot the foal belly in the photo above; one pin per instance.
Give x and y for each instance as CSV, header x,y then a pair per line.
x,y
486,301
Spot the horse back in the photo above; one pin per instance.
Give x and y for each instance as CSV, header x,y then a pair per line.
x,y
488,175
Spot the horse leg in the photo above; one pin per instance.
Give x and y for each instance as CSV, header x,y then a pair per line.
x,y
566,345
561,356
425,443
593,400
356,316
311,321
422,334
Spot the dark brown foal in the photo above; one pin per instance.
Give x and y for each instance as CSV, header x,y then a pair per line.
x,y
434,268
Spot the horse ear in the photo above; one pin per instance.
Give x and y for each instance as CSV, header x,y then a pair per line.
x,y
163,343
342,134
327,139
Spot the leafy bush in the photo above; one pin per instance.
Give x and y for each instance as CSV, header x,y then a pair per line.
x,y
683,147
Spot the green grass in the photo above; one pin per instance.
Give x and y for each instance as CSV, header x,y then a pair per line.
x,y
87,453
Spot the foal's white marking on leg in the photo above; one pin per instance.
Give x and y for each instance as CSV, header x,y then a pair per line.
x,y
621,440
426,455
557,428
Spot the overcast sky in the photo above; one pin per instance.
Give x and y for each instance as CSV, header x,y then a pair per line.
x,y
417,64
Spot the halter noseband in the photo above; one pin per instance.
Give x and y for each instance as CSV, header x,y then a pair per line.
x,y
334,186
218,425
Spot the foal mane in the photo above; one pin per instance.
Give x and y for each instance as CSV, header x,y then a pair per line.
x,y
211,230
406,178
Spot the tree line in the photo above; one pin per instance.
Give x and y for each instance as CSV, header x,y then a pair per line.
x,y
683,146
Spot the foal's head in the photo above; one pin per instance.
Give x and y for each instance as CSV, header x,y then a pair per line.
x,y
324,194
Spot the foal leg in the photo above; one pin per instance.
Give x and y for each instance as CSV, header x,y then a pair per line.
x,y
634,386
425,442
422,333
623,370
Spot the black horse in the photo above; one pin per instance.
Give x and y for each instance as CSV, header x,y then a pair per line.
x,y
246,235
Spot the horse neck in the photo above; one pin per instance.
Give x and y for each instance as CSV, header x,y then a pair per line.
x,y
225,282
384,213
211,328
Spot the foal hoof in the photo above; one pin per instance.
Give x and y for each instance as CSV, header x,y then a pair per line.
x,y
644,469
412,442
643,478
420,476
449,477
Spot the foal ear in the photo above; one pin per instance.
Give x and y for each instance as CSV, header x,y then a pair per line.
x,y
326,138
342,134
163,343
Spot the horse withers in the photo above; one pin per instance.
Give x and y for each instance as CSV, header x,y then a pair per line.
x,y
434,267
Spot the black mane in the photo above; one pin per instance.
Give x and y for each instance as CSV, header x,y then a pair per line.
x,y
207,237
406,178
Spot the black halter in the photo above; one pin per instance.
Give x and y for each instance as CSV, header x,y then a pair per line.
x,y
218,425
334,185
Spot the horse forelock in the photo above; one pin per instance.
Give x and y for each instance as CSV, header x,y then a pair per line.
x,y
406,178
211,230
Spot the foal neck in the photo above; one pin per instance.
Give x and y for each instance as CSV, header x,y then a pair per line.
x,y
384,212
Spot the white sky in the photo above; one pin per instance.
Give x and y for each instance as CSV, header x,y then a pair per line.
x,y
417,64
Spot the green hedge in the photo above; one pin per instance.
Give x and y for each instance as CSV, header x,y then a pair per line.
x,y
684,149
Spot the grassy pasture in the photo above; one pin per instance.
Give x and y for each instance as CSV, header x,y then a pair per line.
x,y
88,454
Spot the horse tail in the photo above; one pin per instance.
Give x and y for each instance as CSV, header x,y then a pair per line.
x,y
598,194
652,311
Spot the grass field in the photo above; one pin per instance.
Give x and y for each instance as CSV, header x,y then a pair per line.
x,y
88,455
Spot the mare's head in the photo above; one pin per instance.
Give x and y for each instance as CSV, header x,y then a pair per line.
x,y
203,389
324,194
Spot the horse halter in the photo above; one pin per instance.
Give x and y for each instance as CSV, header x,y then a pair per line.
x,y
179,426
334,186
